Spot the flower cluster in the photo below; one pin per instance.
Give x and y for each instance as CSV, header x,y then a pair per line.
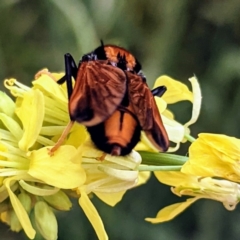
x,y
34,183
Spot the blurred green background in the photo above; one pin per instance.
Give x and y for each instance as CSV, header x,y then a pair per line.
x,y
177,38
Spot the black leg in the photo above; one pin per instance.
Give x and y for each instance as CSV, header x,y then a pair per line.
x,y
159,91
71,71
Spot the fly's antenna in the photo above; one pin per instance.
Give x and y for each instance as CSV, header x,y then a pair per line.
x,y
102,44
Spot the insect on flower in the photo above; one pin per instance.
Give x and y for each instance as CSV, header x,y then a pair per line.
x,y
111,98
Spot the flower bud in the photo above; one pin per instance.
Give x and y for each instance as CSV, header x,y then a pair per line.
x,y
59,201
15,225
45,220
25,199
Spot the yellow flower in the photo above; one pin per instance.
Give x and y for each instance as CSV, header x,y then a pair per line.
x,y
214,155
108,177
35,123
197,187
26,132
176,92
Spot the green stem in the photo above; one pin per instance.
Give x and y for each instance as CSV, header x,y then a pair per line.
x,y
189,138
161,159
158,168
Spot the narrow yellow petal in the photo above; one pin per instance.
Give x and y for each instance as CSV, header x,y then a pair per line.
x,y
20,211
62,170
7,105
197,101
31,113
92,216
170,212
12,126
176,91
37,190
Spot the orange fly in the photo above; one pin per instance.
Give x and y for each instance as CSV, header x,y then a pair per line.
x,y
112,99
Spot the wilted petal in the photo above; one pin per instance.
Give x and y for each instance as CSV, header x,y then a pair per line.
x,y
124,175
197,101
174,129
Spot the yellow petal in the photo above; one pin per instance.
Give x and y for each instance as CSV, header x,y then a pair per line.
x,y
62,170
50,88
110,198
142,147
148,146
229,146
167,113
176,91
208,156
20,211
92,216
78,135
143,177
31,113
170,212
174,178
161,104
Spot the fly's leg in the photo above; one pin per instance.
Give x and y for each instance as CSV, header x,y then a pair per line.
x,y
70,72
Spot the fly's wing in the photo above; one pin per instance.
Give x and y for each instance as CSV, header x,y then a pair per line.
x,y
146,110
98,91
